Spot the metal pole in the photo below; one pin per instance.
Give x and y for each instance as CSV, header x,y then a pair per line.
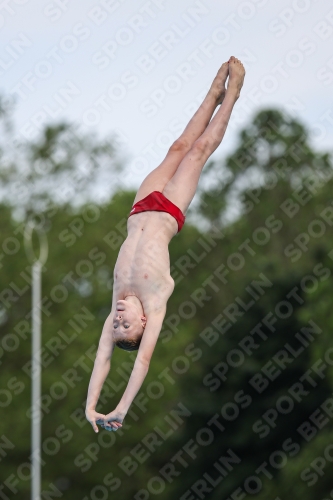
x,y
36,340
36,382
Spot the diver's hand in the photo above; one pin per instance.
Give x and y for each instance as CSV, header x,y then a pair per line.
x,y
94,418
113,420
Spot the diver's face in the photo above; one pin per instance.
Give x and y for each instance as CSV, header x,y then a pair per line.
x,y
127,320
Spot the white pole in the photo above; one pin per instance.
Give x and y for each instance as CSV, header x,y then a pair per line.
x,y
36,382
36,340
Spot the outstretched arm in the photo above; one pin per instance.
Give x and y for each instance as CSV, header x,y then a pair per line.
x,y
101,369
140,368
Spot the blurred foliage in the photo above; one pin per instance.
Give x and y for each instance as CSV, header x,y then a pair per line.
x,y
282,239
60,166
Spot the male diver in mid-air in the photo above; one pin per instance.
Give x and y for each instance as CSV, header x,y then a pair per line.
x,y
142,281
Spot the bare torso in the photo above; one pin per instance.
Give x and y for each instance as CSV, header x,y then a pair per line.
x,y
143,265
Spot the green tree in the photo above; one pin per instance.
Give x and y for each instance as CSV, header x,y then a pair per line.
x,y
246,293
59,167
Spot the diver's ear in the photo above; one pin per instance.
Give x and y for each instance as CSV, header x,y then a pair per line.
x,y
143,321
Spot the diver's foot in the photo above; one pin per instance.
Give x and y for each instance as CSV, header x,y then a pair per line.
x,y
236,76
218,88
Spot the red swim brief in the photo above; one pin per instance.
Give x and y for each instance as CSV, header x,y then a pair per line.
x,y
157,202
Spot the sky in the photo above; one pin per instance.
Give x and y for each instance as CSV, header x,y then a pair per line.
x,y
137,70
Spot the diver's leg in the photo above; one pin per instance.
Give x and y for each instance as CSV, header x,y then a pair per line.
x,y
160,176
182,186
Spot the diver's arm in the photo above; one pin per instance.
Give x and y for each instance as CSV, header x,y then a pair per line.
x,y
141,365
102,363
